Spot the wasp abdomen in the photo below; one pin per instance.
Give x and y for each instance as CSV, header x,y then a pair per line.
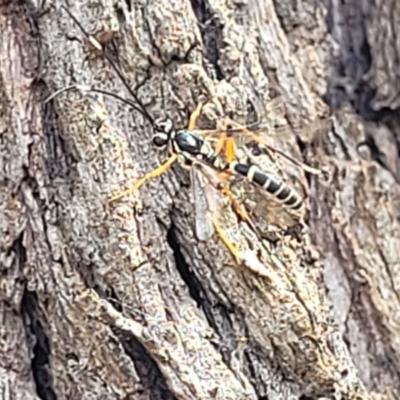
x,y
270,183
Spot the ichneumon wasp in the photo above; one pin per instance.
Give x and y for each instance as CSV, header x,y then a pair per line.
x,y
211,169
185,147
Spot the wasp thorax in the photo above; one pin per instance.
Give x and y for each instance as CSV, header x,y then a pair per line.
x,y
187,141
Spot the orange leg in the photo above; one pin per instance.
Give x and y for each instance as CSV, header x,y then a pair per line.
x,y
153,174
230,146
223,137
221,142
225,141
195,116
237,206
247,132
239,209
231,247
230,149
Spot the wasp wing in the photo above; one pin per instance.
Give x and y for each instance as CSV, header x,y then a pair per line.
x,y
271,131
205,198
263,208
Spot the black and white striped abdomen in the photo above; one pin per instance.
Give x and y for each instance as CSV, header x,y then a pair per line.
x,y
270,183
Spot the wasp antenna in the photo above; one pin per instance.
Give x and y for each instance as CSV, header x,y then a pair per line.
x,y
140,107
58,92
120,98
83,88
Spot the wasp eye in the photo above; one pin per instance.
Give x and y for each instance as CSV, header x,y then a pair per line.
x,y
160,139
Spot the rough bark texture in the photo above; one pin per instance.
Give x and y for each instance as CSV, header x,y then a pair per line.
x,y
118,300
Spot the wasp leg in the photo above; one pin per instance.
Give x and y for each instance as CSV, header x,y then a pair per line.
x,y
153,174
221,142
249,133
239,209
230,149
225,141
195,116
231,247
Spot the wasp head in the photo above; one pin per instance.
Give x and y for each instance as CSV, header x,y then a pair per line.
x,y
163,128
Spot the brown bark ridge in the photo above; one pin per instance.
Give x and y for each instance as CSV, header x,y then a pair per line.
x,y
119,300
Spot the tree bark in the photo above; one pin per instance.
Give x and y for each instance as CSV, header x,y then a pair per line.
x,y
117,299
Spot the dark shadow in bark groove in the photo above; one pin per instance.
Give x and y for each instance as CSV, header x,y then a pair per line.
x,y
103,290
303,147
364,95
211,33
354,61
219,315
195,289
375,152
151,378
215,313
41,348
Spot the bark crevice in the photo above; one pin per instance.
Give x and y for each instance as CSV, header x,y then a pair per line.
x,y
35,325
